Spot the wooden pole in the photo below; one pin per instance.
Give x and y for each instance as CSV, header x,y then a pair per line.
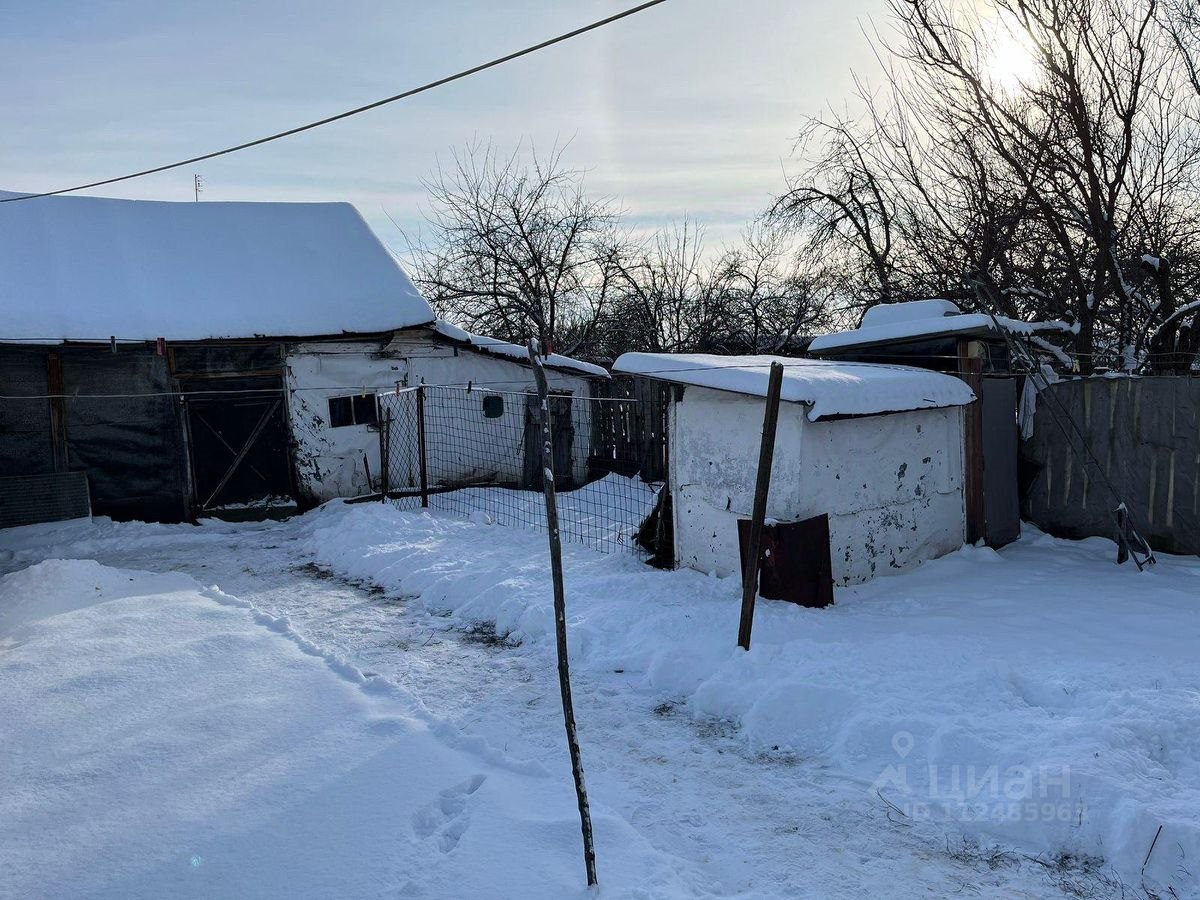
x,y
560,614
385,454
421,445
766,455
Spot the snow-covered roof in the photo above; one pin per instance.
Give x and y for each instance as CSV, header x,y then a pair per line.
x,y
87,268
515,351
891,322
827,388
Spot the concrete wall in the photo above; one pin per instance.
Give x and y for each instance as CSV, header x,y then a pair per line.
x,y
1145,436
461,442
892,485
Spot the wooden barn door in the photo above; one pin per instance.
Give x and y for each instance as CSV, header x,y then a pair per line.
x,y
238,447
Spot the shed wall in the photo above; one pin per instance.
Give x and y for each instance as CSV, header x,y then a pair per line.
x,y
462,443
330,461
892,485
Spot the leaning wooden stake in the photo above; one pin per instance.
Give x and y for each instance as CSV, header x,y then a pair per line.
x,y
560,614
766,455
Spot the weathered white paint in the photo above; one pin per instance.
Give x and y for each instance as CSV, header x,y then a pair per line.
x,y
330,461
891,484
462,442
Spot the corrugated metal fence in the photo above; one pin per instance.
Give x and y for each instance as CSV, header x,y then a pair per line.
x,y
1145,436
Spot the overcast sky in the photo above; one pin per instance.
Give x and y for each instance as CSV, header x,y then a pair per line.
x,y
688,109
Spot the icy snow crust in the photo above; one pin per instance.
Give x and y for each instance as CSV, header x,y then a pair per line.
x,y
90,267
827,388
149,720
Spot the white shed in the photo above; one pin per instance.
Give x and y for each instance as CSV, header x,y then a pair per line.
x,y
879,449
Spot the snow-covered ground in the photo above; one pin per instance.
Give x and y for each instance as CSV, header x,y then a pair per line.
x,y
402,736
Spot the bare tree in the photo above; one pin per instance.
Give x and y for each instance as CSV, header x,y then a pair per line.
x,y
666,298
1051,186
772,291
842,203
517,248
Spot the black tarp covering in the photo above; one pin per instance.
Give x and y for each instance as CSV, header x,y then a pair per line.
x,y
132,447
25,447
125,425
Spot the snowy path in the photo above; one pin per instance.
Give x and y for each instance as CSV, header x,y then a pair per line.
x,y
761,825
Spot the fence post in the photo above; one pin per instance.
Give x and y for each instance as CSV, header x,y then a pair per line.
x,y
766,455
560,615
421,445
385,455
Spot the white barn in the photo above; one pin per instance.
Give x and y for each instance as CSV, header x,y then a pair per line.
x,y
879,449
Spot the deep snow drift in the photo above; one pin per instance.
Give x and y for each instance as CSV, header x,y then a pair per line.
x,y
1040,697
165,740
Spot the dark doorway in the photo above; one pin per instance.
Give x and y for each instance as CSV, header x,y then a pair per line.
x,y
239,445
1001,503
562,427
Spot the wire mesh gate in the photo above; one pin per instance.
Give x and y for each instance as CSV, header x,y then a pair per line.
x,y
477,453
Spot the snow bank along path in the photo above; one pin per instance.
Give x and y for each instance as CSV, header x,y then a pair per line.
x,y
1040,696
166,740
1044,656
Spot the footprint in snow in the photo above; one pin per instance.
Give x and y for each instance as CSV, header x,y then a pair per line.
x,y
445,821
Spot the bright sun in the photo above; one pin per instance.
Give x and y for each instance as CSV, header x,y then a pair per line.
x,y
1010,60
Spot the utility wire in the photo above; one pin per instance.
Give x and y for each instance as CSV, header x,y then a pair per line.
x,y
412,92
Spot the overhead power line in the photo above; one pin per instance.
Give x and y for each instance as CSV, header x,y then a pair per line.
x,y
411,92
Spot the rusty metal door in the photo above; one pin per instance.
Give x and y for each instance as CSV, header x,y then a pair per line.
x,y
1001,503
795,564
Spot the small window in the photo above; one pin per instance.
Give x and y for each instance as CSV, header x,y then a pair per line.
x,y
341,412
366,410
493,407
358,410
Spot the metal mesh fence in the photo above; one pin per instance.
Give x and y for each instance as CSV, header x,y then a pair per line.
x,y
477,453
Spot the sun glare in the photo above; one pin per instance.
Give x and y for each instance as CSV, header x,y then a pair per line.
x,y
1010,60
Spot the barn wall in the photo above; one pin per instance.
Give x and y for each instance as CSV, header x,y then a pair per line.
x,y
330,461
1145,436
462,443
130,446
892,485
25,444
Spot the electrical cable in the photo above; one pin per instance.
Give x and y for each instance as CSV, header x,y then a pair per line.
x,y
412,92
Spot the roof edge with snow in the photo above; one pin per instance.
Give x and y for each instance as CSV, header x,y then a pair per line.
x,y
891,323
513,352
829,389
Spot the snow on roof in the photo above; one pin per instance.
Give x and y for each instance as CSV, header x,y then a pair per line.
x,y
515,351
827,388
890,322
86,268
